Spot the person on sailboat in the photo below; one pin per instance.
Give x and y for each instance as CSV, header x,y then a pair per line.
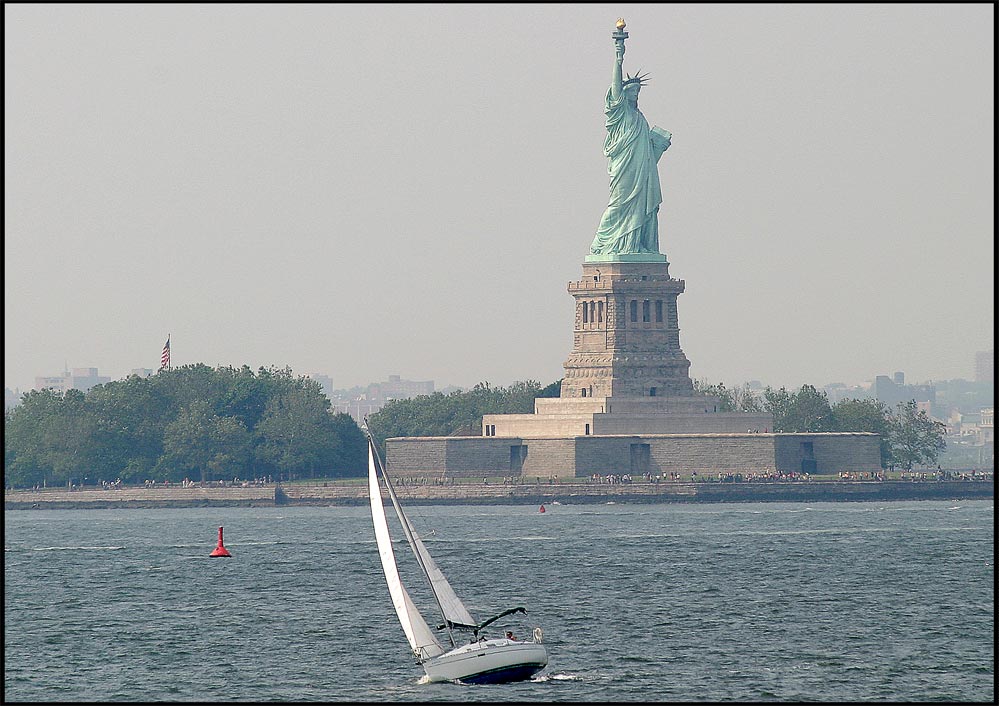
x,y
509,635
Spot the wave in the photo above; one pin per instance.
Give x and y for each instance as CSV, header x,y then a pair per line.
x,y
255,544
58,549
493,540
559,676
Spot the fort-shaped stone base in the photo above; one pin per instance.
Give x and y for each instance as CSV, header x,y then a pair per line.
x,y
568,457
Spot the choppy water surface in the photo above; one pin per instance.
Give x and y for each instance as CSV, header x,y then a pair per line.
x,y
761,602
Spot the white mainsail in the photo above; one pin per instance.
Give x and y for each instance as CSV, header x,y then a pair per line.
x,y
421,638
480,661
451,606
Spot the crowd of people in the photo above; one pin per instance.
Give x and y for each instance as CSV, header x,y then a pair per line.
x,y
764,476
236,482
695,477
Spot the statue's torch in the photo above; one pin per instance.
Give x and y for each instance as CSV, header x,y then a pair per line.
x,y
620,35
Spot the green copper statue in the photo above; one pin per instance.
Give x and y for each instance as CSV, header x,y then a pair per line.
x,y
630,225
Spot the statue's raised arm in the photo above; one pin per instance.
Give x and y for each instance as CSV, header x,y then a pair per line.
x,y
617,78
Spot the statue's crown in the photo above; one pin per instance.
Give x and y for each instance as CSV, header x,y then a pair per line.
x,y
639,78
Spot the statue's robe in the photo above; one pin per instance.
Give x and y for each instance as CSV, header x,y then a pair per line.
x,y
631,222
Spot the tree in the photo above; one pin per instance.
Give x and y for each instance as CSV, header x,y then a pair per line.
x,y
44,439
458,413
726,402
128,420
201,444
809,411
246,394
739,399
778,403
296,436
230,449
745,400
552,390
350,459
190,421
806,410
915,438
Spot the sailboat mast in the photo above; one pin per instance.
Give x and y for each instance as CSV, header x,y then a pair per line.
x,y
407,530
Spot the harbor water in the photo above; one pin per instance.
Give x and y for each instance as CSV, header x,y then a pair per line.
x,y
842,601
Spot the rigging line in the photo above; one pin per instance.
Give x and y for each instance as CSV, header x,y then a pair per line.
x,y
407,491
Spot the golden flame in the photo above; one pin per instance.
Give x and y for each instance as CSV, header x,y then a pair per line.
x,y
620,24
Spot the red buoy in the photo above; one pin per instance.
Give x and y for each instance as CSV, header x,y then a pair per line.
x,y
541,509
220,550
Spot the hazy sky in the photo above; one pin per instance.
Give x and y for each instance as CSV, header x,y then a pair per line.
x,y
366,190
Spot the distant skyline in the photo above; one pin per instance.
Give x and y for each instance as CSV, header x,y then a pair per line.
x,y
365,190
441,386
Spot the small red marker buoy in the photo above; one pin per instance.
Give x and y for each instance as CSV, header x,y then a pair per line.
x,y
220,550
541,509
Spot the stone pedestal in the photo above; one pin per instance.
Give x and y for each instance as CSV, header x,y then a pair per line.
x,y
626,333
626,373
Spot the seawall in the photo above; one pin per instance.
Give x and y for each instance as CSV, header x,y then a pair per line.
x,y
502,494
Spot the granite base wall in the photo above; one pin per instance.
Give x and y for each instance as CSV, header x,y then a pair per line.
x,y
581,422
582,456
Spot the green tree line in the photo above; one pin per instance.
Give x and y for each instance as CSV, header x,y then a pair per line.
x,y
191,422
908,435
207,424
457,413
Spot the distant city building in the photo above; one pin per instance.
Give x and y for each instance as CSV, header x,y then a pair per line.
x,y
985,366
81,379
836,392
986,431
964,425
11,398
395,388
975,433
893,391
325,383
358,409
986,425
379,393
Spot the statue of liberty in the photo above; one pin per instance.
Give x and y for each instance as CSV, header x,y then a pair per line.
x,y
630,224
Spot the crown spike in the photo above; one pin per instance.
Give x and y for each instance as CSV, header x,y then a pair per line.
x,y
639,78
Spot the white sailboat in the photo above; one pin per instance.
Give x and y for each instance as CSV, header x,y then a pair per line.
x,y
478,660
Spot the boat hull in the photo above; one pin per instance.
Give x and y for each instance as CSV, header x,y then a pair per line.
x,y
488,662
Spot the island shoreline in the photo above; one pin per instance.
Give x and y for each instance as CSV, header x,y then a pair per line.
x,y
333,494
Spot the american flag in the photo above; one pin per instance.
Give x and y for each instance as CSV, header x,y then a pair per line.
x,y
165,358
